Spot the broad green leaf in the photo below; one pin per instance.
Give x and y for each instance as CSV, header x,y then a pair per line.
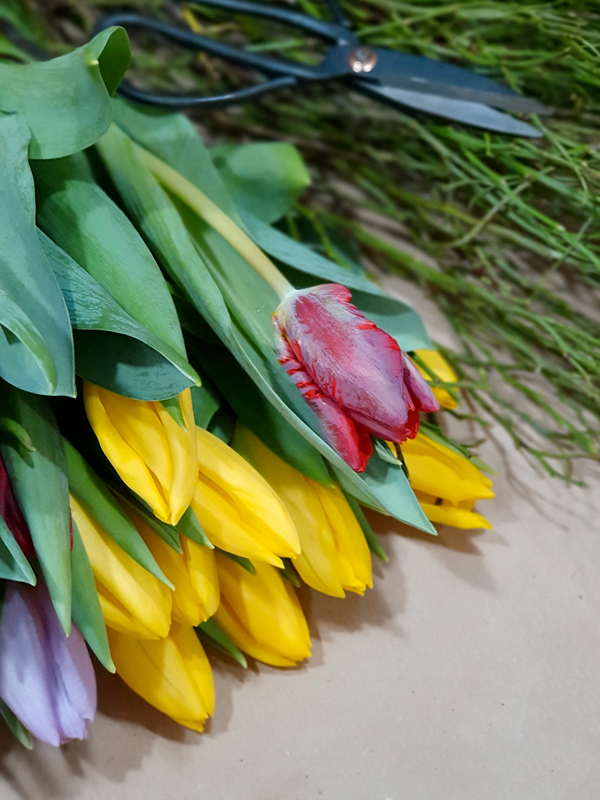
x,y
112,349
97,499
393,316
265,178
221,640
173,138
158,218
36,345
81,219
39,479
66,101
87,613
15,726
13,564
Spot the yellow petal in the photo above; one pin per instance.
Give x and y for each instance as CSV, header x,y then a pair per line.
x,y
441,472
126,461
440,367
172,674
317,564
225,526
193,573
269,622
352,548
137,593
202,569
183,456
454,516
255,500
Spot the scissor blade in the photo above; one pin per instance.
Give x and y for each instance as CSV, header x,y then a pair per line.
x,y
405,65
481,116
509,102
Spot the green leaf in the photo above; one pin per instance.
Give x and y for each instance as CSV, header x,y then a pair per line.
x,y
189,525
222,424
87,612
158,218
221,640
173,138
97,499
39,479
265,178
112,349
244,562
16,727
393,316
81,219
13,564
206,402
368,531
66,101
166,532
36,345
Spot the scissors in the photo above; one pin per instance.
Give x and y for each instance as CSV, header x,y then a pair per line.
x,y
394,78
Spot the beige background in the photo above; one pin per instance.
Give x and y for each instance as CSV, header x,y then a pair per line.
x,y
470,672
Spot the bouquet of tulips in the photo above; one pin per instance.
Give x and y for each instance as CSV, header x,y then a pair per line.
x,y
193,413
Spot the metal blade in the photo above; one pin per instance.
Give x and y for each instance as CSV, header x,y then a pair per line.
x,y
509,102
476,114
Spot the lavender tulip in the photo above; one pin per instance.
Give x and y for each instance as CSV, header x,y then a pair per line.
x,y
46,679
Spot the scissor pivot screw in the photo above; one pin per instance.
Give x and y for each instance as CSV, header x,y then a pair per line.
x,y
363,59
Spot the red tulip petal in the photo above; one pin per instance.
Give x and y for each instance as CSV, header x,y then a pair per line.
x,y
352,442
419,389
11,513
351,360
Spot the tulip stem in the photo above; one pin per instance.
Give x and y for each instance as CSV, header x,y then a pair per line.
x,y
210,212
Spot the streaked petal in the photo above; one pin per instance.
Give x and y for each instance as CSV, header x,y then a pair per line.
x,y
351,360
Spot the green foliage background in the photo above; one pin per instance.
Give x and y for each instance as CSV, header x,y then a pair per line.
x,y
511,224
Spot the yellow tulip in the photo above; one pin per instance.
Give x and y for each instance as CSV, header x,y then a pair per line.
x,y
446,483
335,555
442,370
132,600
261,613
193,573
172,674
153,455
238,509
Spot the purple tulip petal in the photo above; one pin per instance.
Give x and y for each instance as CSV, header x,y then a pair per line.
x,y
46,679
25,685
74,679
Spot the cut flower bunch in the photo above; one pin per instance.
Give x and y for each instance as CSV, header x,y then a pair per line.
x,y
196,409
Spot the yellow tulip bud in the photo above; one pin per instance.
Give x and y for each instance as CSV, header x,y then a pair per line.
x,y
132,600
238,509
193,573
446,483
442,370
261,613
172,674
153,455
335,555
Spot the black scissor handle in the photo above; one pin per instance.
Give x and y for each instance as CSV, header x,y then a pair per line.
x,y
176,102
271,67
336,32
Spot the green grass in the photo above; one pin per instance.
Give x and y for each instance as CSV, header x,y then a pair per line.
x,y
512,224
